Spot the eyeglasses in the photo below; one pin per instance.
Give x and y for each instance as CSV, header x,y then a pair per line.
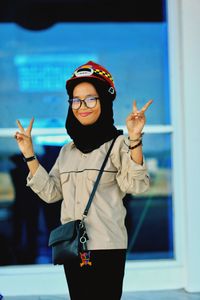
x,y
90,102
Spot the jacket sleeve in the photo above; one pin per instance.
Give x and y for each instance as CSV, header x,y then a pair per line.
x,y
131,177
46,186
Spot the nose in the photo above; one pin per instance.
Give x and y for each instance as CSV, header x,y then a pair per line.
x,y
83,102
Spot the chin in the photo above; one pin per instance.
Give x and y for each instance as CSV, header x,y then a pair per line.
x,y
86,123
88,120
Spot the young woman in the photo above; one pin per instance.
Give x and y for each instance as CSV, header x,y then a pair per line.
x,y
91,127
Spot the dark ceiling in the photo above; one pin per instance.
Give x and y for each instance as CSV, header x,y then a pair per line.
x,y
40,14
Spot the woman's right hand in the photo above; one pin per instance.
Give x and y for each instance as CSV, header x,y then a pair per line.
x,y
24,139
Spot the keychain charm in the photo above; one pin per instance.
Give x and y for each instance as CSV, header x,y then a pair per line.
x,y
85,257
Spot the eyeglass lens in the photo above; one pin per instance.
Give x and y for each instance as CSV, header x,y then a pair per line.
x,y
89,102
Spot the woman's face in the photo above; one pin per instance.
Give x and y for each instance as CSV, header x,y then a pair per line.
x,y
85,115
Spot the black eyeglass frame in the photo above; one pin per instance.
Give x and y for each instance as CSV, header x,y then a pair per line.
x,y
70,101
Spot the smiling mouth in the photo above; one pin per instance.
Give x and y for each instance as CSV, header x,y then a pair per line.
x,y
84,114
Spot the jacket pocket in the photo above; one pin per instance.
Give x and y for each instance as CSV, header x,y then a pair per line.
x,y
107,177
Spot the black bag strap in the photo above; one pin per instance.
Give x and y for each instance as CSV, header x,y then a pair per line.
x,y
97,180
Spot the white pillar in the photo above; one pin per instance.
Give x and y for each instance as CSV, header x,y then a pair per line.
x,y
190,48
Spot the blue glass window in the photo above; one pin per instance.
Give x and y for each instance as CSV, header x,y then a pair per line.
x,y
34,67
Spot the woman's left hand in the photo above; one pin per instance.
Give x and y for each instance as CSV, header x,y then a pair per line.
x,y
136,120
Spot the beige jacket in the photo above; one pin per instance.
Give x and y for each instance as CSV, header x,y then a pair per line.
x,y
72,178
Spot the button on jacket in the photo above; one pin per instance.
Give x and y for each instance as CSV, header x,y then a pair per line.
x,y
71,180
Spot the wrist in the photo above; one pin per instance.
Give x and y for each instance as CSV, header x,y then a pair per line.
x,y
134,133
29,158
28,154
136,145
135,137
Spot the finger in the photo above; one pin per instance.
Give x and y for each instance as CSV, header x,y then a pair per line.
x,y
144,108
21,128
134,106
129,117
17,135
30,126
21,136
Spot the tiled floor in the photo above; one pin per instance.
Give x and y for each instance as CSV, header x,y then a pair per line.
x,y
158,295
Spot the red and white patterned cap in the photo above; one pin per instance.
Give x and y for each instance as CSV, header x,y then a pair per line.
x,y
92,71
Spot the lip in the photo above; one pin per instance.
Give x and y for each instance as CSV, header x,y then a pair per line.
x,y
84,114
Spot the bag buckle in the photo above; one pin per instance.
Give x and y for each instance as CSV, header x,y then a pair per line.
x,y
83,238
84,217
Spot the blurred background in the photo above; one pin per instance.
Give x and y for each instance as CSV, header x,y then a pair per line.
x,y
41,44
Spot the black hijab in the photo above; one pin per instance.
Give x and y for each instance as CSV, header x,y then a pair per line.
x,y
90,137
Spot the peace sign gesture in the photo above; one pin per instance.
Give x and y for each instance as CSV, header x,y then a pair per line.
x,y
136,120
24,139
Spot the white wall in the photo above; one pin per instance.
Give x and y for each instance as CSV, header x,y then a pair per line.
x,y
190,46
184,50
184,46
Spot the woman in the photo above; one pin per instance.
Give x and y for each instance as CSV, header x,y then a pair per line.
x,y
91,127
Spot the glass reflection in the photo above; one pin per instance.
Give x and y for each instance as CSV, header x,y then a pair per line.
x,y
33,71
25,220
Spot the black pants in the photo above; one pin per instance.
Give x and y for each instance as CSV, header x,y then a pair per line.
x,y
103,280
